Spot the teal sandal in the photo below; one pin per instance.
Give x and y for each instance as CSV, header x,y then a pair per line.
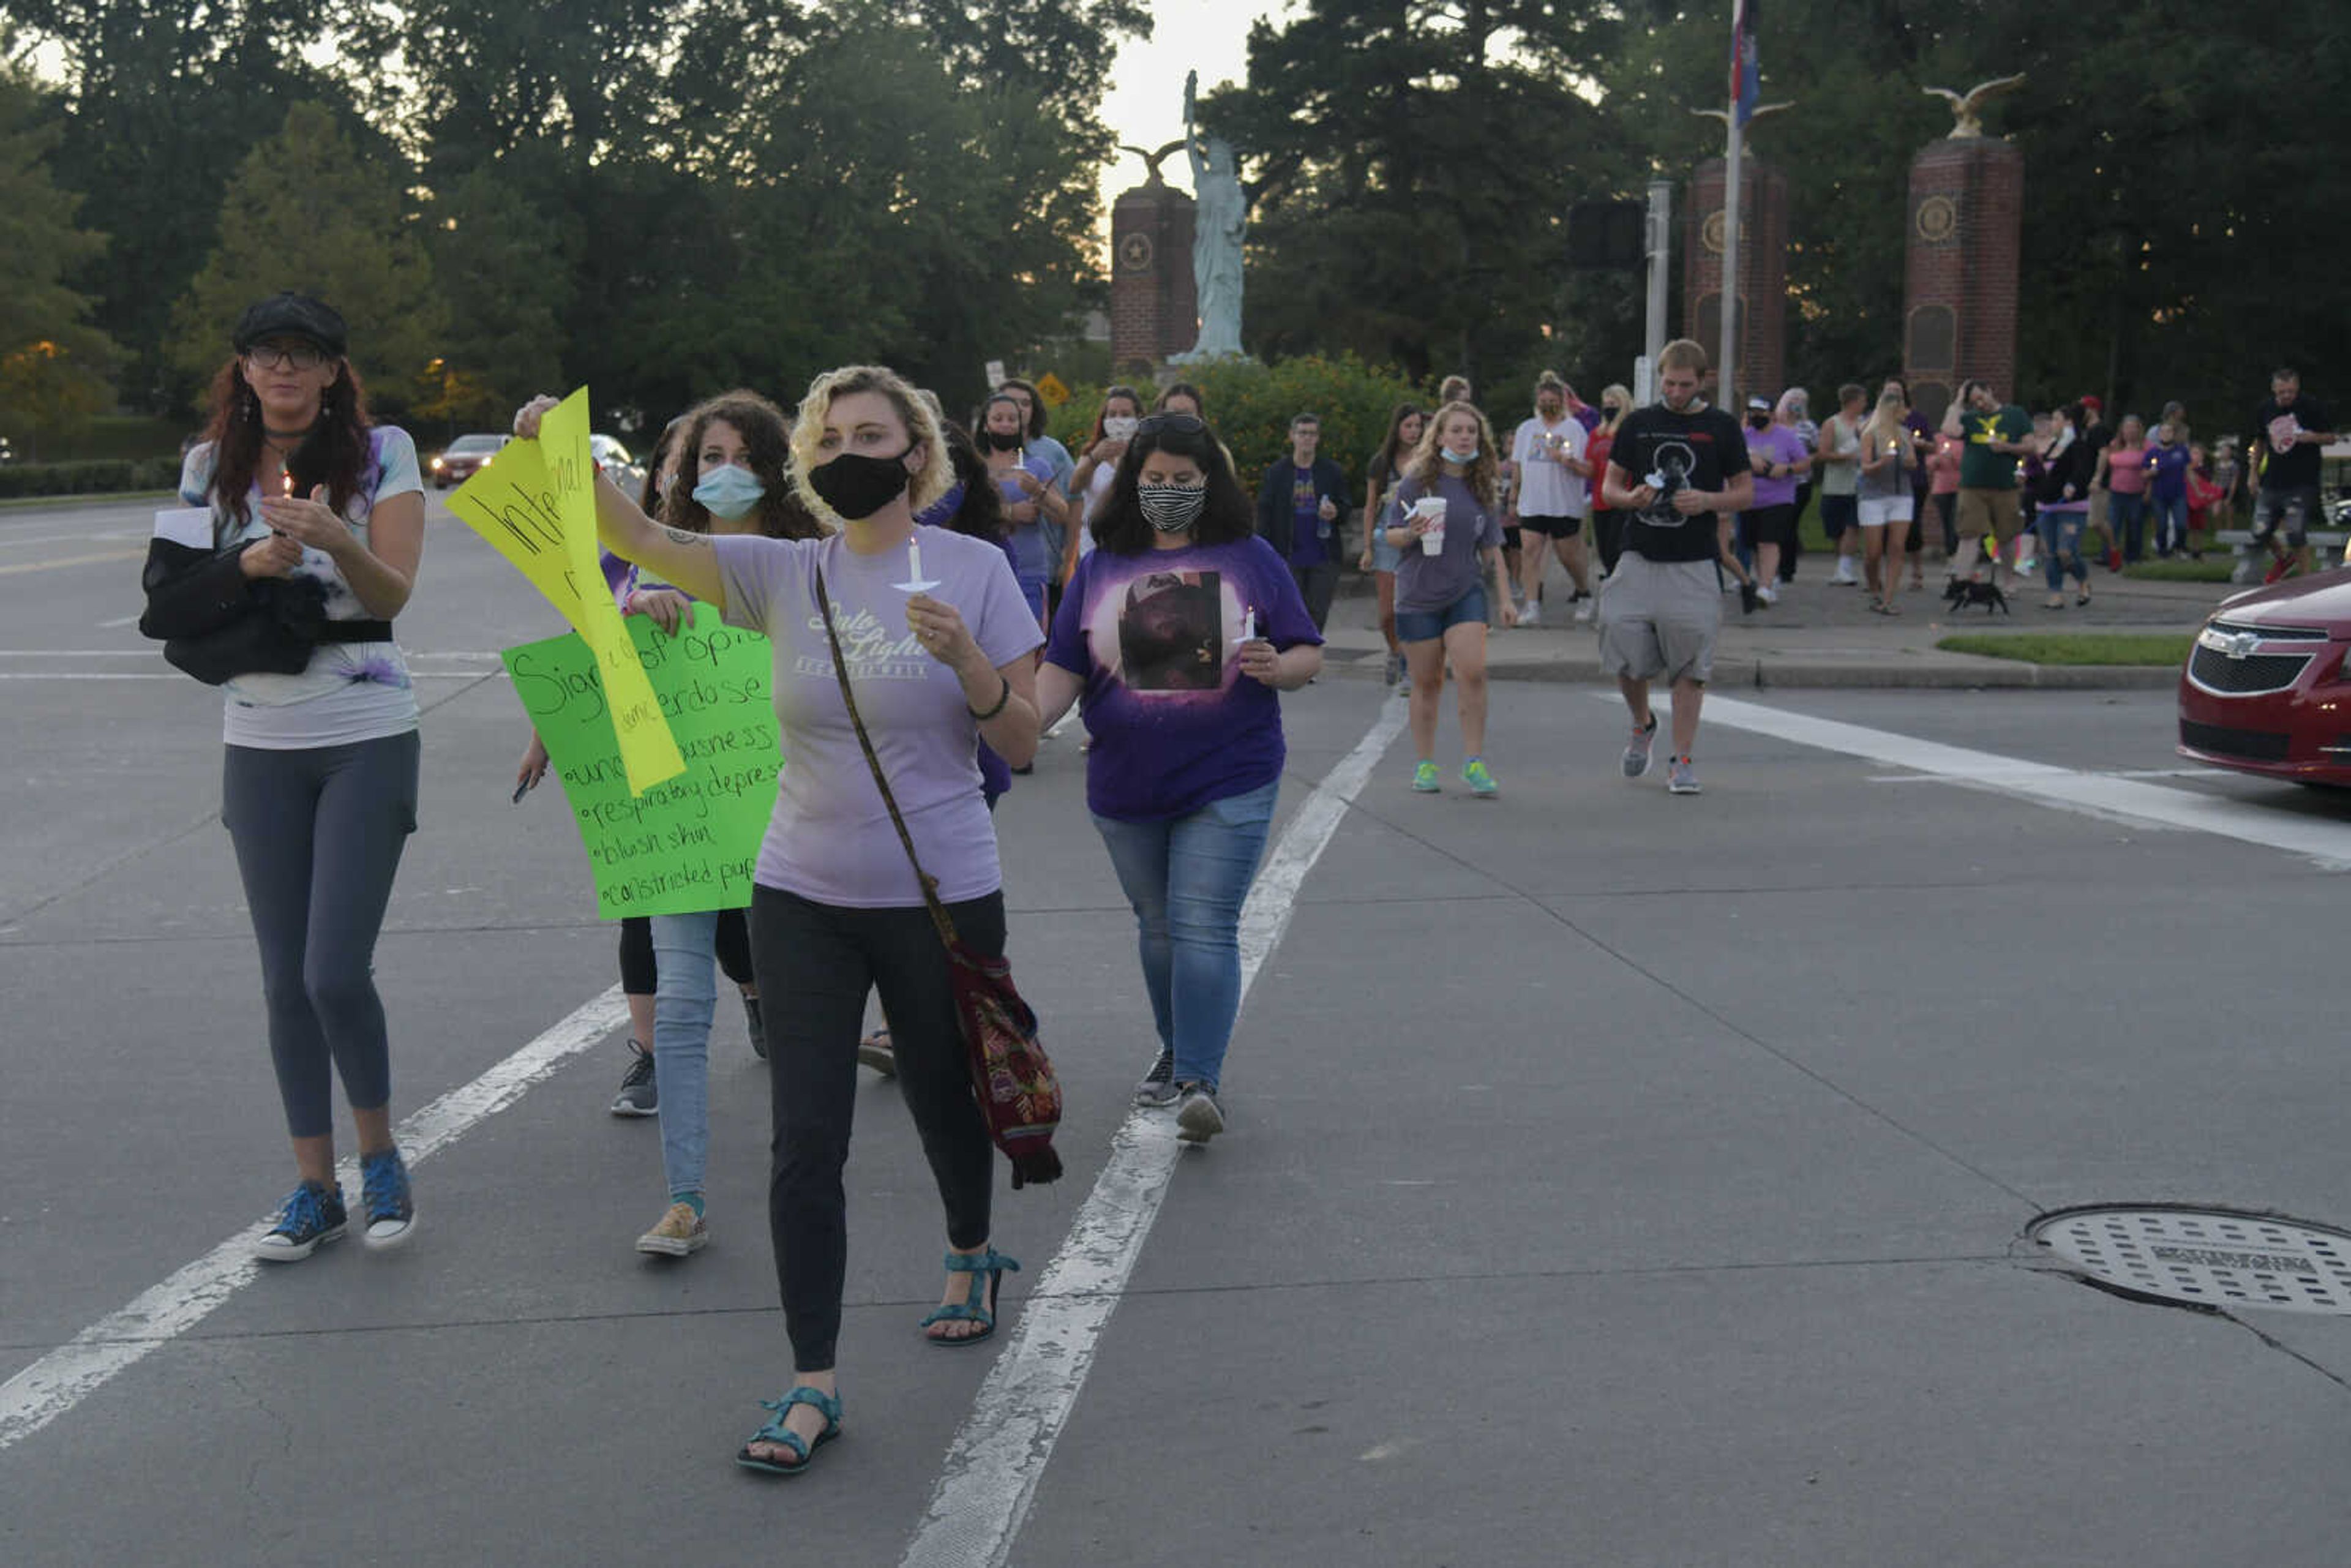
x,y
776,1432
989,1263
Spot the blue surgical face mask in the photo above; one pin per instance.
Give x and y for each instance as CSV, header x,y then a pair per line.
x,y
1465,455
728,491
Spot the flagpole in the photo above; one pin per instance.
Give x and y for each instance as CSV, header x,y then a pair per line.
x,y
1727,361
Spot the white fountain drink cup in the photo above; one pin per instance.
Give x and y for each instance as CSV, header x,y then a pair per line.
x,y
1433,508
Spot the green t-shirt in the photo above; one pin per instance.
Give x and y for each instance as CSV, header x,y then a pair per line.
x,y
1981,468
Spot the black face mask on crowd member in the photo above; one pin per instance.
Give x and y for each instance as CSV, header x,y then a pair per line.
x,y
1758,421
857,487
1002,442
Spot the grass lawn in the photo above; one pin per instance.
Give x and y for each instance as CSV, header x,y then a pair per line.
x,y
2214,567
2161,649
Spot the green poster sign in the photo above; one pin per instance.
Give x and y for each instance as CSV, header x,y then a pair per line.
x,y
690,843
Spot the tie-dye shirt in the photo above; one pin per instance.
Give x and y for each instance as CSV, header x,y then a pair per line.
x,y
351,690
1175,724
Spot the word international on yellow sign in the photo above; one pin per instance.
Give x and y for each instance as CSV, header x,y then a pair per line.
x,y
537,506
1049,388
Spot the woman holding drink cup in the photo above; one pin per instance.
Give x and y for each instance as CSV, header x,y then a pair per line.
x,y
1449,532
836,910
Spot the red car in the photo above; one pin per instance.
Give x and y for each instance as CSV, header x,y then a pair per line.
x,y
464,457
2266,691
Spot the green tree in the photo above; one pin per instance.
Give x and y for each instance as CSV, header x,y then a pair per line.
x,y
53,363
306,212
507,285
162,101
1412,163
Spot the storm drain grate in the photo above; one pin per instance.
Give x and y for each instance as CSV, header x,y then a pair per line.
x,y
2205,1256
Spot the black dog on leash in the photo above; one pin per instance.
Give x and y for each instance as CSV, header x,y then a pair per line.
x,y
1967,590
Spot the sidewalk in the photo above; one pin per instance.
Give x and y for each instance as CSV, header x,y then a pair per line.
x,y
1820,635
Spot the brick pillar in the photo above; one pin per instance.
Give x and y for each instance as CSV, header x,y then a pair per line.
x,y
1959,294
1154,309
1763,365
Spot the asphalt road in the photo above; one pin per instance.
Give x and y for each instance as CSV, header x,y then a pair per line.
x,y
1613,1179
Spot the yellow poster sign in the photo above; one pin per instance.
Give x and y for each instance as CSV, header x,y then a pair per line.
x,y
537,506
1049,388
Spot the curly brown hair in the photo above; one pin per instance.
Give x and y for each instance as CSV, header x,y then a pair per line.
x,y
1484,472
767,439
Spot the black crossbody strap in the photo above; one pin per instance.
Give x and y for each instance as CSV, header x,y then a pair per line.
x,y
939,917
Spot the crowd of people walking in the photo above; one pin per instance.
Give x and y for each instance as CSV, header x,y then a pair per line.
x,y
1136,583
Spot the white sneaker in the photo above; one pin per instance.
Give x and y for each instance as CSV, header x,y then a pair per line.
x,y
1844,577
1532,616
1767,593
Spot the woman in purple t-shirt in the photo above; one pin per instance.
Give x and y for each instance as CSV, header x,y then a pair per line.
x,y
1177,631
836,910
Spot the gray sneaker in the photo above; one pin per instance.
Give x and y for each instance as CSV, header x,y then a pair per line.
x,y
1637,750
1683,779
639,1095
1157,1090
1198,1118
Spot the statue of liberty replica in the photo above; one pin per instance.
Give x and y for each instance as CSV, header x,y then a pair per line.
x,y
1220,226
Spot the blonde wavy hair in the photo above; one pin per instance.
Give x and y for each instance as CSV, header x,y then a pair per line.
x,y
1886,425
1484,473
926,485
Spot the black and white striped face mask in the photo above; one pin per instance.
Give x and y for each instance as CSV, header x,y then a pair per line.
x,y
1170,508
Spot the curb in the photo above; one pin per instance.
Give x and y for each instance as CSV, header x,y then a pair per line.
x,y
1741,675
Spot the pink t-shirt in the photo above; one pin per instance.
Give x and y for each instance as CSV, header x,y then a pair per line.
x,y
2126,469
1943,465
831,840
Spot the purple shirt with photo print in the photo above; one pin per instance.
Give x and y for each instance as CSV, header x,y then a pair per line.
x,y
1176,724
831,840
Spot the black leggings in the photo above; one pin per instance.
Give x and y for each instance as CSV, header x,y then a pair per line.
x,y
640,975
319,834
816,963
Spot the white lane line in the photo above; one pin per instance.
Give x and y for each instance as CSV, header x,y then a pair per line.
x,y
118,621
2328,845
1000,1453
71,1372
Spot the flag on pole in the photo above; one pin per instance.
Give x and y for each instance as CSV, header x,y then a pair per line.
x,y
1746,70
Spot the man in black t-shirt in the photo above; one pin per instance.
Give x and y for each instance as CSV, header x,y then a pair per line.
x,y
2282,459
1680,476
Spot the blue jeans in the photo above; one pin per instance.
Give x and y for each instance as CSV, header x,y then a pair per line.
x,y
1187,877
2170,522
2127,515
685,949
2061,545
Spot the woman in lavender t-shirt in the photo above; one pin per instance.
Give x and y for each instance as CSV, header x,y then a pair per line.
x,y
1177,631
836,911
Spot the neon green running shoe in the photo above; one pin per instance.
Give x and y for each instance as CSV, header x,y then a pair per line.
x,y
1424,779
1479,778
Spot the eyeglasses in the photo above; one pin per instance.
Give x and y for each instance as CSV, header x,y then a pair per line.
x,y
286,356
1180,424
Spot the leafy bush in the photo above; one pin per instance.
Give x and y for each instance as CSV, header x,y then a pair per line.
x,y
1251,404
102,476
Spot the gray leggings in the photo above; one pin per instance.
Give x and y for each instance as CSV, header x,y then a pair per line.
x,y
319,834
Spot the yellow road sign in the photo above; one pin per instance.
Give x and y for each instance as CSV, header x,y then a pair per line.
x,y
1049,388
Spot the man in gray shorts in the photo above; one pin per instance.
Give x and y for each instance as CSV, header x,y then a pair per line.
x,y
1678,473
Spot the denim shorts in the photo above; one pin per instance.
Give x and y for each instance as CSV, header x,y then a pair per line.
x,y
1430,625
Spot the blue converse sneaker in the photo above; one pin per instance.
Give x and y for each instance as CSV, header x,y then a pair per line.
x,y
385,1199
310,1219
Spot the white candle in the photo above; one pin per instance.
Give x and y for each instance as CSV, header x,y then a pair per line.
x,y
1248,624
913,560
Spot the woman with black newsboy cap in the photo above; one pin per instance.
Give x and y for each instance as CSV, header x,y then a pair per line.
x,y
295,545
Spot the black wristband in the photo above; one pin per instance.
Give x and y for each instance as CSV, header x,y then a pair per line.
x,y
1005,697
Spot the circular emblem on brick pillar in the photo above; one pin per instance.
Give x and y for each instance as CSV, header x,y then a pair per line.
x,y
1135,252
1939,220
1709,232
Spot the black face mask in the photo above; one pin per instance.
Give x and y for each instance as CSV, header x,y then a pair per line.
x,y
1000,441
856,486
1758,421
